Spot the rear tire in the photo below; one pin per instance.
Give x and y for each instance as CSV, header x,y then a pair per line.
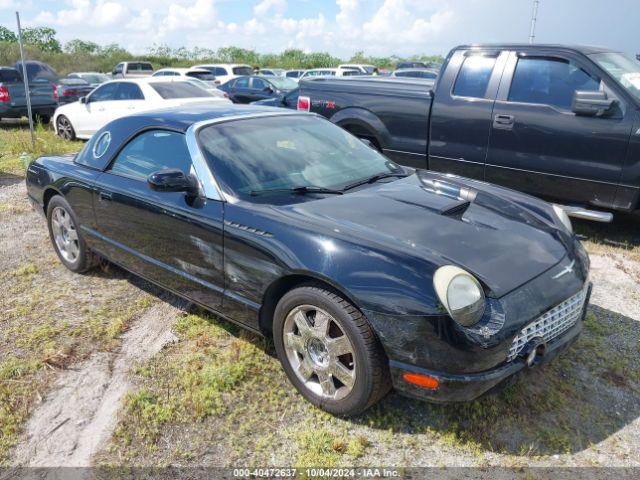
x,y
64,128
66,238
329,351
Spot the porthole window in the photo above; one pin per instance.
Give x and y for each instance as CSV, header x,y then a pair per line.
x,y
102,144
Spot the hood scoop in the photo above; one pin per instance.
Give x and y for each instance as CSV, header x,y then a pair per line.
x,y
456,210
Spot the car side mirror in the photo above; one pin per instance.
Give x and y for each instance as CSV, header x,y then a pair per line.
x,y
84,100
592,104
267,89
173,180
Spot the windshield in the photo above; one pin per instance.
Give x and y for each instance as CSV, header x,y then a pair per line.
x,y
625,70
208,76
73,81
94,78
284,152
283,83
242,71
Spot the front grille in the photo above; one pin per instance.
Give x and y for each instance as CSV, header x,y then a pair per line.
x,y
551,324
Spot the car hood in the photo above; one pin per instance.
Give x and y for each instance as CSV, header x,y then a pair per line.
x,y
444,222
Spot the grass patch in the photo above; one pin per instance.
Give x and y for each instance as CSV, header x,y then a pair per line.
x,y
52,318
16,148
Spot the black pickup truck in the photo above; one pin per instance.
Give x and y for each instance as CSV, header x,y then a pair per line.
x,y
13,101
559,122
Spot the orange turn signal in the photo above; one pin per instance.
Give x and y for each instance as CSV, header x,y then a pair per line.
x,y
421,380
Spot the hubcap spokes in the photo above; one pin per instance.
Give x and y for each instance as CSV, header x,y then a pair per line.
x,y
65,234
319,352
64,128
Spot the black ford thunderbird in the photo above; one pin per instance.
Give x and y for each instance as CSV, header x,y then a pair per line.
x,y
366,274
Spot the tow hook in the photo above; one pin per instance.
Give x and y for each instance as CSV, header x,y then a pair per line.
x,y
534,351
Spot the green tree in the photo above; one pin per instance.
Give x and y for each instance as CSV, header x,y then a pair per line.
x,y
42,37
78,46
7,35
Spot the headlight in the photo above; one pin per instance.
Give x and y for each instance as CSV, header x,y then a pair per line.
x,y
563,217
460,293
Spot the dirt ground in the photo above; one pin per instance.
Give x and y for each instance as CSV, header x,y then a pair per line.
x,y
103,369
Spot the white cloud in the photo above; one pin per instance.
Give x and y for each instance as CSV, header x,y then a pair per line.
x,y
199,14
398,23
265,6
379,27
84,12
143,22
109,13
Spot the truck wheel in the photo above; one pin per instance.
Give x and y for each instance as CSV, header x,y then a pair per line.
x,y
66,237
64,128
329,351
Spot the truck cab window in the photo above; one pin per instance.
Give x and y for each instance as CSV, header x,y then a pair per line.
x,y
474,76
549,81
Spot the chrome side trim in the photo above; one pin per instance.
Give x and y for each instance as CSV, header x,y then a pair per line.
x,y
456,160
403,152
594,215
208,181
563,176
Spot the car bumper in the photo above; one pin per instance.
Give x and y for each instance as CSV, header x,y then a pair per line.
x,y
469,386
19,112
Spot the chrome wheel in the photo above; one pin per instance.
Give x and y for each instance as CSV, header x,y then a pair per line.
x,y
319,352
65,234
65,130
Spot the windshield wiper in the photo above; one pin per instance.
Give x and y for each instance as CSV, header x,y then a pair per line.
x,y
374,178
301,190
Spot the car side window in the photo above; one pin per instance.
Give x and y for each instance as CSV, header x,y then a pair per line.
x,y
258,84
474,76
152,151
549,81
219,71
128,91
104,93
242,82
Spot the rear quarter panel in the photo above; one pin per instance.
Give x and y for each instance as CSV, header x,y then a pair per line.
x,y
59,175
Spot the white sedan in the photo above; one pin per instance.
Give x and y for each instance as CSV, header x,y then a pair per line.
x,y
118,98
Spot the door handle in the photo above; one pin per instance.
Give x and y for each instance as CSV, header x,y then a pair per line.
x,y
105,196
504,122
131,107
101,109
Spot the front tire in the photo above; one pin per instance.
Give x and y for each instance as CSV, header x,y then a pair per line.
x,y
64,128
66,238
329,351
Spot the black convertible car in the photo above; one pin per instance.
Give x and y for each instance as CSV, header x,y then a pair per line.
x,y
365,273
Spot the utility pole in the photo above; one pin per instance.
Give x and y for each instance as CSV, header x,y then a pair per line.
x,y
534,17
26,83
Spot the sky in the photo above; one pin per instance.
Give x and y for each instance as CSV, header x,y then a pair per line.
x,y
340,27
